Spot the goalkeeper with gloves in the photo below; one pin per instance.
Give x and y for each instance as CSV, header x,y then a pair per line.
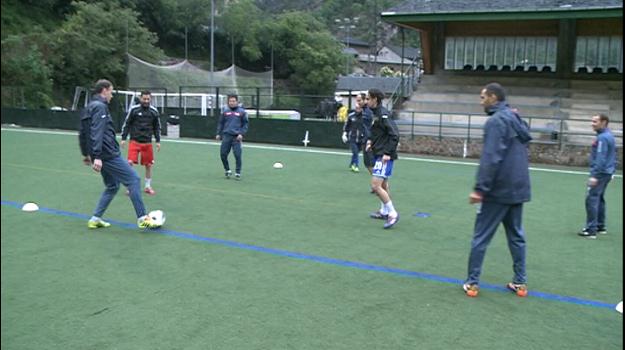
x,y
355,132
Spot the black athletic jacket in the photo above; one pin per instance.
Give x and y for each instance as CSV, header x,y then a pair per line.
x,y
142,123
384,135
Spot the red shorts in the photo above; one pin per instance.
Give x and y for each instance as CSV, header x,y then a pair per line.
x,y
147,154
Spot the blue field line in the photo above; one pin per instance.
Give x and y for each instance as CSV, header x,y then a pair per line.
x,y
322,259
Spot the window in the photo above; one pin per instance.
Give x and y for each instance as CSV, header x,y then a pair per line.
x,y
514,53
599,53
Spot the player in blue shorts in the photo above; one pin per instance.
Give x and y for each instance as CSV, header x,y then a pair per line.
x,y
382,142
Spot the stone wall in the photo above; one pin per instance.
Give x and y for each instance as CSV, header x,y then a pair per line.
x,y
545,153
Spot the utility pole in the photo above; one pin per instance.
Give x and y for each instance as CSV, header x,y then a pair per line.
x,y
212,40
347,24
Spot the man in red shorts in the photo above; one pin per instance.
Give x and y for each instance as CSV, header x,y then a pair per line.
x,y
142,122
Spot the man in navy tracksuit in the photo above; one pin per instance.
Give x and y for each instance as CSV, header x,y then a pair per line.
x,y
503,185
99,146
602,167
231,127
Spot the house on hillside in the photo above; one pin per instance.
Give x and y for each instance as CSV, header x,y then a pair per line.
x,y
371,63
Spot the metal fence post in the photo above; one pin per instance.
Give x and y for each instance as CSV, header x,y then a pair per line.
x,y
561,136
216,110
440,126
257,102
469,129
412,127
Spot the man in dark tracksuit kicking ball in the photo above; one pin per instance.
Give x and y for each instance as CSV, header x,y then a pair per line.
x,y
231,127
502,186
101,150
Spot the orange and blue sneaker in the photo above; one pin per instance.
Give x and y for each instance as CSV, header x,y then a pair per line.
x,y
471,289
97,223
519,288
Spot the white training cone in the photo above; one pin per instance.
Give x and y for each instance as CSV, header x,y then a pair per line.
x,y
619,307
30,206
278,165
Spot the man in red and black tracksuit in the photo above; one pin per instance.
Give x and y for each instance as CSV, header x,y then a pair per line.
x,y
142,122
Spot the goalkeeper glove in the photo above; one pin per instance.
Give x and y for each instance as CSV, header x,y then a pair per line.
x,y
344,137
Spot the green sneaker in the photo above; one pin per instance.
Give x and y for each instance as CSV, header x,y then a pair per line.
x,y
97,223
146,222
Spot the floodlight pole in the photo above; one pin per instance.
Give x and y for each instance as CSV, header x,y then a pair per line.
x,y
347,23
212,40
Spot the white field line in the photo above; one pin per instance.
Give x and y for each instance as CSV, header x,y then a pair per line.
x,y
305,150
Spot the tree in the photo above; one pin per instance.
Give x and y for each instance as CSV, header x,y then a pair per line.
x,y
92,44
242,21
25,73
306,51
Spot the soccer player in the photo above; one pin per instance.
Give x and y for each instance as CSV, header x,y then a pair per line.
x,y
383,142
142,121
100,149
602,167
355,132
231,127
502,186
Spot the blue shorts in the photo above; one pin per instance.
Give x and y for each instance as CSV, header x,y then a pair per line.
x,y
382,169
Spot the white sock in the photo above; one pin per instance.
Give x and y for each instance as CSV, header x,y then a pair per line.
x,y
383,209
148,182
391,209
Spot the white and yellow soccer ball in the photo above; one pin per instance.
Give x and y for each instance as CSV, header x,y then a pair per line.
x,y
158,217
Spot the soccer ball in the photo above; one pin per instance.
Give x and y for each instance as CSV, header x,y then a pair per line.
x,y
278,165
158,217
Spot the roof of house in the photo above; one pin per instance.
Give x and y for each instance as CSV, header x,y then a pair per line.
x,y
350,51
354,42
409,52
437,6
440,10
385,84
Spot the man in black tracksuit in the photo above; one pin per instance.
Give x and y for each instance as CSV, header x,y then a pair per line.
x,y
355,133
143,121
383,142
231,127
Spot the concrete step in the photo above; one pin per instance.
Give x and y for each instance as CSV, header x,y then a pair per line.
x,y
474,98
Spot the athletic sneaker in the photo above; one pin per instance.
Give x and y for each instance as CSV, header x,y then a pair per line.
x,y
97,223
588,234
471,290
149,191
378,215
354,168
237,176
519,288
391,221
602,231
228,174
146,222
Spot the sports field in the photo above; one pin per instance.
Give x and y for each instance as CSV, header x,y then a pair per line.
x,y
288,258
